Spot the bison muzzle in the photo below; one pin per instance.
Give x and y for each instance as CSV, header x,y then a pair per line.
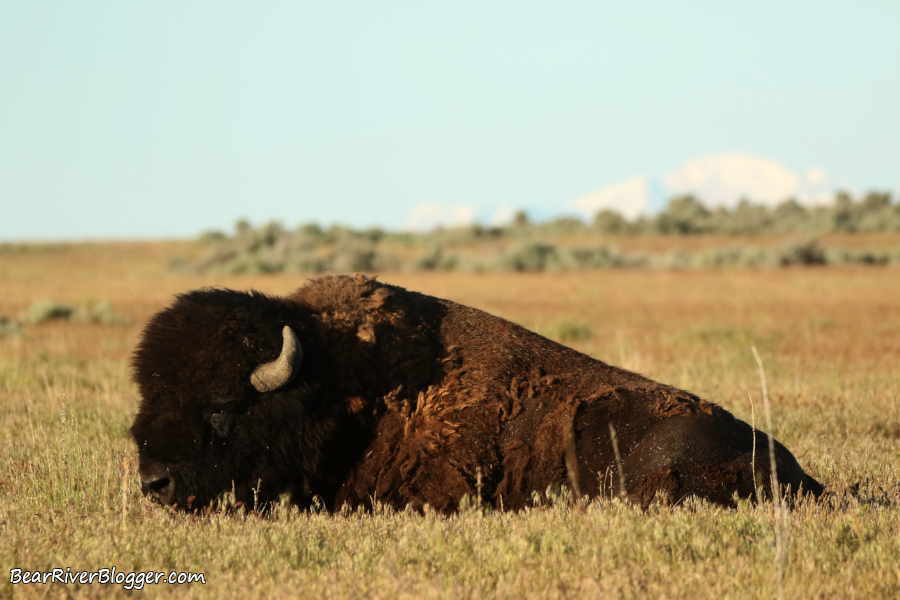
x,y
350,389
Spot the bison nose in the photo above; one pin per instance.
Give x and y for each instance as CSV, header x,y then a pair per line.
x,y
157,484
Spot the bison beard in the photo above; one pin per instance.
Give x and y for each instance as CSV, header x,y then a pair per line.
x,y
351,389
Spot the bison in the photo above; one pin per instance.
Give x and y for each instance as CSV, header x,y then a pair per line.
x,y
351,390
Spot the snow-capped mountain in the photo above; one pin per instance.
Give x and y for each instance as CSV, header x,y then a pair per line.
x,y
716,180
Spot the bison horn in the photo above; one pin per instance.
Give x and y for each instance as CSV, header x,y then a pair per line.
x,y
276,374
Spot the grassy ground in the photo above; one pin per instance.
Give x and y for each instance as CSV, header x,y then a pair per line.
x,y
830,339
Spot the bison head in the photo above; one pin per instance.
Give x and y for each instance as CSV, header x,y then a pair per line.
x,y
224,400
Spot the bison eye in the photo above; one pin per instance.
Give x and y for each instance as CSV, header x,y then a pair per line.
x,y
221,423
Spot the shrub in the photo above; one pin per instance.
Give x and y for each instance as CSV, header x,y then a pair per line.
x,y
733,256
45,310
676,259
610,222
807,252
563,226
99,312
211,237
436,260
683,214
352,255
598,257
8,326
530,256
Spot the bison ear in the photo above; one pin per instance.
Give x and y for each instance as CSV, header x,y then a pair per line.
x,y
221,423
276,374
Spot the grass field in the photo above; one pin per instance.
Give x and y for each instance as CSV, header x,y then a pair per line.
x,y
829,338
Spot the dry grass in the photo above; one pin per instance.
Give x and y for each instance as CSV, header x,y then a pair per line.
x,y
830,339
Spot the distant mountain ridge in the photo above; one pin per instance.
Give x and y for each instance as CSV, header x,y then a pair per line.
x,y
715,180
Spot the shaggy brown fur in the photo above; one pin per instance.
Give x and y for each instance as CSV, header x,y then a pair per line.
x,y
402,397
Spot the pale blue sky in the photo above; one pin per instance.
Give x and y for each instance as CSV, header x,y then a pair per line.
x,y
161,119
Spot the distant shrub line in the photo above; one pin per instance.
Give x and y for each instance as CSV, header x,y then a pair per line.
x,y
526,246
41,311
531,256
685,215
